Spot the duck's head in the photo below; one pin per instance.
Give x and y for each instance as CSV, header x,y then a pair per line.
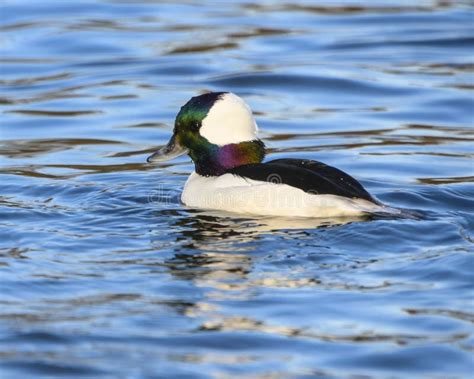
x,y
218,132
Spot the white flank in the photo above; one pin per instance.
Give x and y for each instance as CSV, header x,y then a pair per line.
x,y
230,120
236,194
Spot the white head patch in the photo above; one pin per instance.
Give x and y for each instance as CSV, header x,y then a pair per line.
x,y
229,120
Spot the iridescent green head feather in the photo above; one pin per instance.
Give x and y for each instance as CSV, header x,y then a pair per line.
x,y
194,111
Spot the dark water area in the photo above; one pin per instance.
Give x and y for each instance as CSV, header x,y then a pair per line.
x,y
104,274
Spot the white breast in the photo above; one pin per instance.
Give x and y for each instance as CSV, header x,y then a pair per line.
x,y
236,194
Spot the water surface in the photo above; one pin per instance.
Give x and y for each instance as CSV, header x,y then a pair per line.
x,y
104,274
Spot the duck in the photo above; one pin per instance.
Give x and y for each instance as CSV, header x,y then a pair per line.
x,y
219,133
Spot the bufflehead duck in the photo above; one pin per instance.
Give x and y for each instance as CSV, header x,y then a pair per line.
x,y
218,131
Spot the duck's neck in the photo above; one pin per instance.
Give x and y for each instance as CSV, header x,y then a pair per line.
x,y
214,160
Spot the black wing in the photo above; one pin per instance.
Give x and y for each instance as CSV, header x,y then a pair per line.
x,y
310,176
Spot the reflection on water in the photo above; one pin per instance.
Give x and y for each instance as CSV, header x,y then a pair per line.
x,y
98,255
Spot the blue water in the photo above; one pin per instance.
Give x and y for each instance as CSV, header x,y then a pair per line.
x,y
104,274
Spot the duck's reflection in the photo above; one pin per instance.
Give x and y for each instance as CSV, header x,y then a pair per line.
x,y
215,250
210,230
229,260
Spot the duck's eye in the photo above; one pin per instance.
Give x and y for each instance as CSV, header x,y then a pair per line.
x,y
195,126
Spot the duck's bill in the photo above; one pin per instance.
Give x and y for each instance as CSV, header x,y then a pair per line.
x,y
172,150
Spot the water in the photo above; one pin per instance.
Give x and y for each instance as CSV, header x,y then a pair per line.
x,y
105,275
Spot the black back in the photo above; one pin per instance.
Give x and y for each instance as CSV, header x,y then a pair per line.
x,y
310,176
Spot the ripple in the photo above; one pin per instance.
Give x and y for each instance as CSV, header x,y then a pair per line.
x,y
464,316
33,112
447,180
203,48
45,368
248,324
260,32
34,80
287,81
32,148
340,9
